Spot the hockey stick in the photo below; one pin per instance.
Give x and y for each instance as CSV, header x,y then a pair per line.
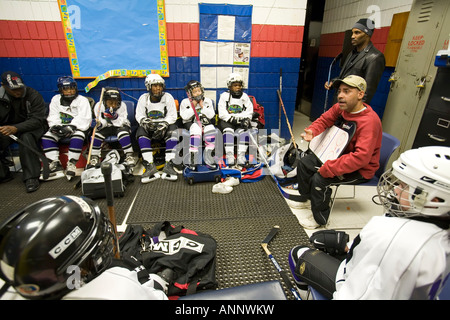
x,y
287,120
95,127
279,111
328,82
266,162
284,275
42,157
106,168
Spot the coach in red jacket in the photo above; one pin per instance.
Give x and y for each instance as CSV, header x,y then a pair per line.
x,y
357,164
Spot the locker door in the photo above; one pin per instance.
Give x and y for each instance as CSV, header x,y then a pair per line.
x,y
415,71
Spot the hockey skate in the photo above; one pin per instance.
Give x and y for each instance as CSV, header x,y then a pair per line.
x,y
169,172
56,171
230,159
71,169
95,160
150,172
241,161
209,159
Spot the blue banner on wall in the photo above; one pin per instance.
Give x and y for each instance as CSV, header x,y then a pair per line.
x,y
115,38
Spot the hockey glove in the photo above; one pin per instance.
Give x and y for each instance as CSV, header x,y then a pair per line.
x,y
55,129
161,129
245,123
330,241
234,121
110,114
148,125
204,120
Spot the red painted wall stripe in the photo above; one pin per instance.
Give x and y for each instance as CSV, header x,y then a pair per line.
x,y
45,39
331,43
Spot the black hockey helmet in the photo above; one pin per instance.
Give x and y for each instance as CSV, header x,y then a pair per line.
x,y
191,86
112,94
39,243
65,82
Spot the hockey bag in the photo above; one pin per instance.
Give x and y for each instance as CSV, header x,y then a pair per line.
x,y
187,258
253,173
93,181
202,173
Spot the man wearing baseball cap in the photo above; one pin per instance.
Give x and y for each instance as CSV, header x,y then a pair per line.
x,y
22,113
358,162
364,60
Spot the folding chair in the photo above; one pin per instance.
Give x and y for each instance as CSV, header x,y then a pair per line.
x,y
389,144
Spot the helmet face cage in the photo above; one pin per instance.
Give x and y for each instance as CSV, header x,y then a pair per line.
x,y
235,78
112,94
153,79
190,88
67,82
417,184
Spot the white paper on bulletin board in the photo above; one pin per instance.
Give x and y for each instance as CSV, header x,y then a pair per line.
x,y
225,27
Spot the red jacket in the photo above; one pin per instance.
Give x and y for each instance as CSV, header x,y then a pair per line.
x,y
363,152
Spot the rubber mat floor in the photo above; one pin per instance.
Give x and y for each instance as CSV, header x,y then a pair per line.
x,y
239,221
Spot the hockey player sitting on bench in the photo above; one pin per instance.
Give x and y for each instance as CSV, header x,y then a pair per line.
x,y
156,114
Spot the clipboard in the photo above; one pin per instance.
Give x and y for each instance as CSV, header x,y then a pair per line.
x,y
331,143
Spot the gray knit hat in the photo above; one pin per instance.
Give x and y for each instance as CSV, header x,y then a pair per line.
x,y
365,25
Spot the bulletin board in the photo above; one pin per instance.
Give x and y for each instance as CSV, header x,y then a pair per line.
x,y
225,37
115,38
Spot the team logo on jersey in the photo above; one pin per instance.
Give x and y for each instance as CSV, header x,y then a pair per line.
x,y
65,118
173,246
155,114
234,108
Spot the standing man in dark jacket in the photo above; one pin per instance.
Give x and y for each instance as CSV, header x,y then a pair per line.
x,y
364,60
22,113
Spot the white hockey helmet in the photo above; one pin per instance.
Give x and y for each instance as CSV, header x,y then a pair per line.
x,y
154,79
234,77
418,183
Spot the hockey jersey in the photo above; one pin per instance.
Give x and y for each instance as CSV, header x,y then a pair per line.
x,y
78,114
395,258
164,110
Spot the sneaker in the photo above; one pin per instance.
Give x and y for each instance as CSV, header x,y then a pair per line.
x,y
71,169
294,255
231,182
150,172
169,172
56,171
221,188
299,205
307,221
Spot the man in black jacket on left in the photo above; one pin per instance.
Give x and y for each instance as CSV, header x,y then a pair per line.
x,y
22,113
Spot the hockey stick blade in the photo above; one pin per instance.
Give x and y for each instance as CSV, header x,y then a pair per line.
x,y
273,232
42,157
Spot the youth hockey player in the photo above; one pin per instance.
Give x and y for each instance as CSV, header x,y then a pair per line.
x,y
235,114
69,117
156,114
62,248
113,121
206,114
404,254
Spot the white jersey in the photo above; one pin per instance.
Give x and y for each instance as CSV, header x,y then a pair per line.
x,y
115,283
187,113
240,108
78,114
122,116
164,110
396,258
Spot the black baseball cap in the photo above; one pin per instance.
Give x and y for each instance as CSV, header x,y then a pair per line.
x,y
12,80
